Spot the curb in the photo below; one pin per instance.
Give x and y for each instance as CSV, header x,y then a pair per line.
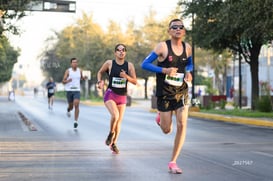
x,y
233,119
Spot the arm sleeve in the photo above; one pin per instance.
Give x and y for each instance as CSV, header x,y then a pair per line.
x,y
189,66
147,63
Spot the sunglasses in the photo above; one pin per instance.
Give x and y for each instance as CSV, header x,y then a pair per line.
x,y
121,50
175,27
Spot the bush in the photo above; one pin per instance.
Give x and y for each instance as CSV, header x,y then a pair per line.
x,y
211,105
222,104
264,104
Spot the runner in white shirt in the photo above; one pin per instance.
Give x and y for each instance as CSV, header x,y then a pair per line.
x,y
71,79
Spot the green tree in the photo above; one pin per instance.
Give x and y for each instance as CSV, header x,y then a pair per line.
x,y
243,26
152,32
8,57
10,12
55,58
218,62
92,46
89,44
81,40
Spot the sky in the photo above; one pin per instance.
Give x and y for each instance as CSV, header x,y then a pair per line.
x,y
38,26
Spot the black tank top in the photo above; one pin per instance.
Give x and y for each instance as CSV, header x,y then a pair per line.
x,y
172,60
116,83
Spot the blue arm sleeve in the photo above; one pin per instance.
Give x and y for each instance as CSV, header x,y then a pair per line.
x,y
147,63
189,66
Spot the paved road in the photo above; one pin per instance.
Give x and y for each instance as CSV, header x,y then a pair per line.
x,y
50,149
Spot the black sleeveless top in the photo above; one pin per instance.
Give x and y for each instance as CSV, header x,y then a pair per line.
x,y
116,83
172,60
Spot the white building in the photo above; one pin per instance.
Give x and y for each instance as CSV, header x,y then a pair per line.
x,y
265,73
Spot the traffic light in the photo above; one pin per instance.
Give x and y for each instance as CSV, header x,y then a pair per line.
x,y
59,6
52,5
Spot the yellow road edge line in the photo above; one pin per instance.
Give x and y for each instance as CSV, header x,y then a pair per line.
x,y
250,121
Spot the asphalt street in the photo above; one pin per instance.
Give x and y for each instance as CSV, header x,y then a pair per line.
x,y
41,144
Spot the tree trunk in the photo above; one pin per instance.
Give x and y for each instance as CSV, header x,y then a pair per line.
x,y
145,87
254,69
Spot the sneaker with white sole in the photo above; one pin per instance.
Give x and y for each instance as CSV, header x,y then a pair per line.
x,y
109,139
75,124
173,168
68,113
114,148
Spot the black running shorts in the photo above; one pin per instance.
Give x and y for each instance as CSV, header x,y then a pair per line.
x,y
171,103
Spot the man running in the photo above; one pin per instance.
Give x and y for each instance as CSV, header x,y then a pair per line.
x,y
71,79
173,73
51,88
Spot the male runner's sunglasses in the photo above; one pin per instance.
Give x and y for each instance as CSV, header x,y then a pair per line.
x,y
175,27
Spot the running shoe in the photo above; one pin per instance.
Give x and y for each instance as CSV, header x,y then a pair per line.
x,y
114,148
109,139
68,113
157,119
173,168
75,124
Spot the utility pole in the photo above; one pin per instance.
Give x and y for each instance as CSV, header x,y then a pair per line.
x,y
268,63
193,56
240,81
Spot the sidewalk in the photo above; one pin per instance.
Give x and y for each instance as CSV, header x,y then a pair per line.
x,y
262,122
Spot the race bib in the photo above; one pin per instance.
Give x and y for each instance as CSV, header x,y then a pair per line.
x,y
176,80
74,87
118,82
51,91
